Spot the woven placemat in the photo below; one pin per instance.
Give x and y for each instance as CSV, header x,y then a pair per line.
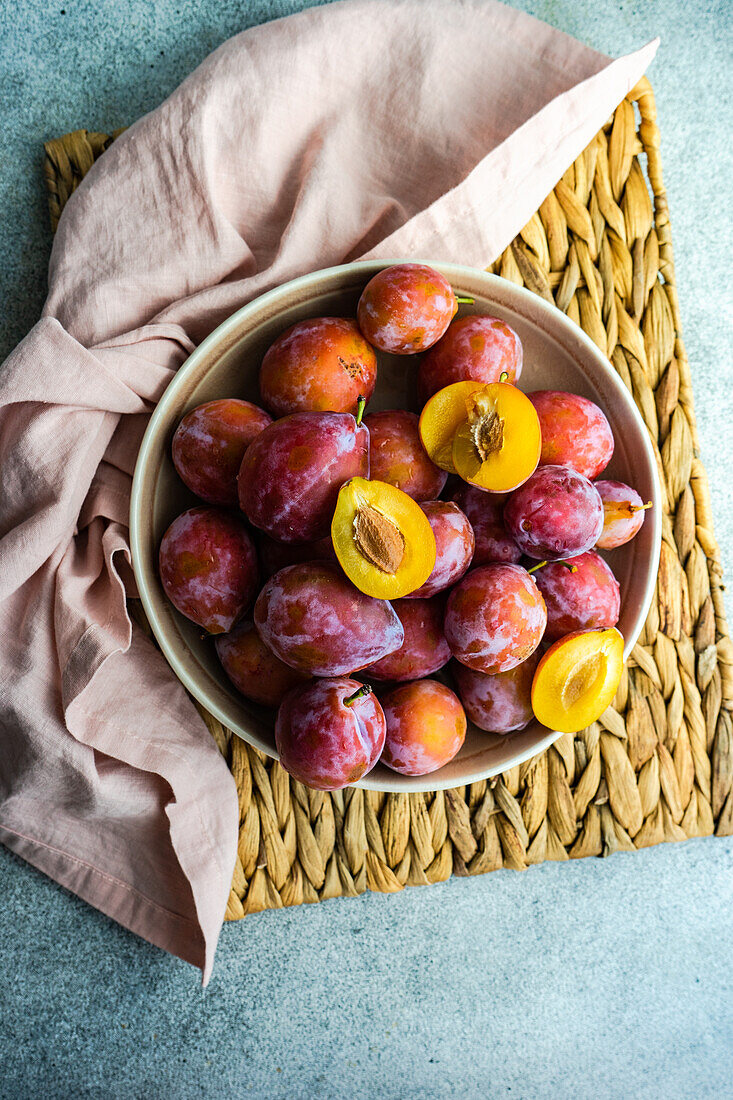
x,y
658,766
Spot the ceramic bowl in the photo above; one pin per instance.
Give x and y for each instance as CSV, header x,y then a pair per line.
x,y
557,355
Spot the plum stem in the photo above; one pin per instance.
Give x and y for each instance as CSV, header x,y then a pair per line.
x,y
360,406
568,565
365,689
640,507
465,301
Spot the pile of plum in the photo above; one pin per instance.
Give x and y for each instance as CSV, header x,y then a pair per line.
x,y
394,546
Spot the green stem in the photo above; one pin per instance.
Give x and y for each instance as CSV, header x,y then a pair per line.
x,y
360,406
364,690
465,301
503,376
568,565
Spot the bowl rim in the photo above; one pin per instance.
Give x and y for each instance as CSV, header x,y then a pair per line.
x,y
366,268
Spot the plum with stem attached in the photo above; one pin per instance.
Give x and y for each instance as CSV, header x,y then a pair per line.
x,y
330,733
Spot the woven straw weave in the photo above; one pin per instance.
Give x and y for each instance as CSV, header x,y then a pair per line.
x,y
658,766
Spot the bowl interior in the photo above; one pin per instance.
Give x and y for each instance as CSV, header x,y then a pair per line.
x,y
557,355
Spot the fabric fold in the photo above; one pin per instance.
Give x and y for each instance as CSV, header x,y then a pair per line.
x,y
499,196
427,129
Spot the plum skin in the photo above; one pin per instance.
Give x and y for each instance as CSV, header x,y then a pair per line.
x,y
454,547
405,308
426,726
617,531
275,555
586,599
575,432
474,348
397,456
317,621
500,703
424,649
291,474
324,743
209,444
253,668
208,567
317,365
557,513
495,617
485,513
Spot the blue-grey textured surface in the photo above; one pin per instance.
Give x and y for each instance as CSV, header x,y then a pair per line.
x,y
603,979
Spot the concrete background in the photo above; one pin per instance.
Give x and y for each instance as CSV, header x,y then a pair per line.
x,y
602,979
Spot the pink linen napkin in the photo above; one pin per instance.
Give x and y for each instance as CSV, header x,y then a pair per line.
x,y
380,128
